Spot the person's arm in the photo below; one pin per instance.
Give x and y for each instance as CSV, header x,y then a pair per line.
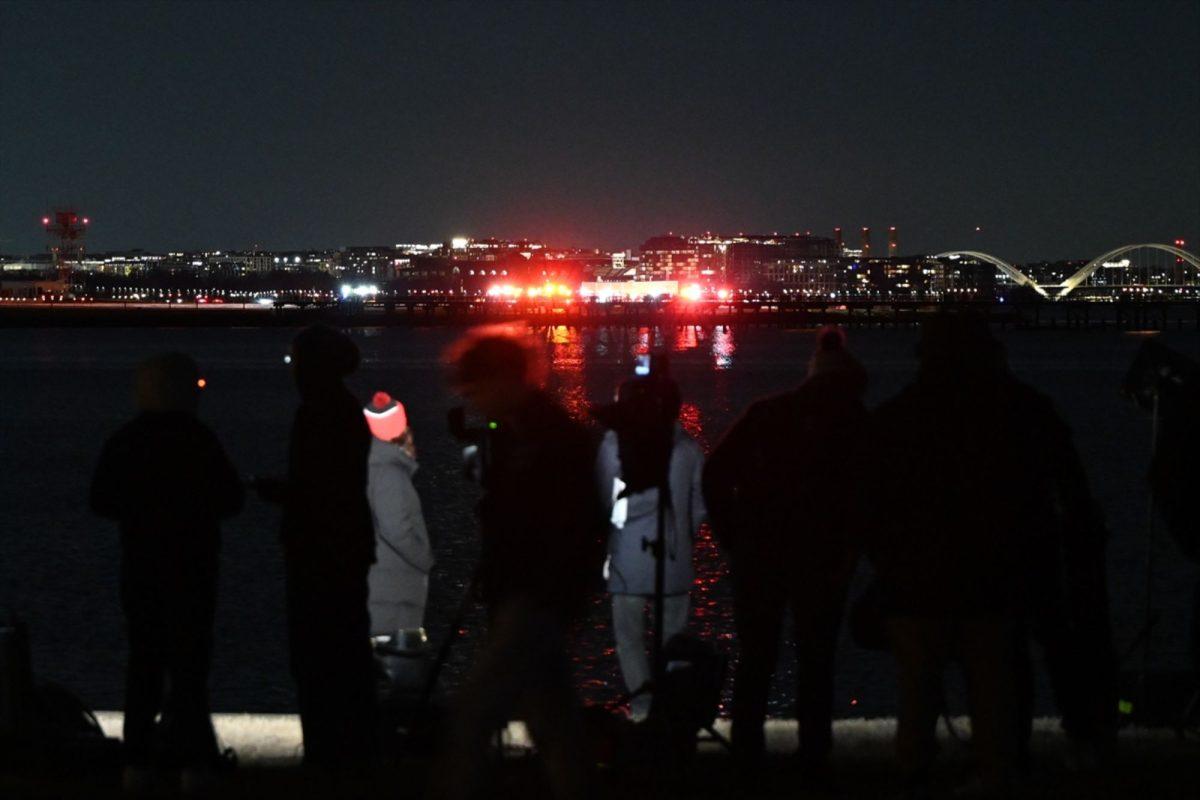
x,y
399,526
724,475
1083,524
106,492
608,468
226,493
699,513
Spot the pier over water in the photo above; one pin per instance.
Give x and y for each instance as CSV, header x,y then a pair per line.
x,y
1034,314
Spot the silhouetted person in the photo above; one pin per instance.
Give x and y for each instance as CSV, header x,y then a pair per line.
x,y
982,510
542,547
166,480
328,547
781,495
633,521
399,580
1173,380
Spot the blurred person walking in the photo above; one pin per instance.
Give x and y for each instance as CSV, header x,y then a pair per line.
x,y
542,546
782,497
328,546
166,480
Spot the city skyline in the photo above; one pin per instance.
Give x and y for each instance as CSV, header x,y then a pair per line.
x,y
294,126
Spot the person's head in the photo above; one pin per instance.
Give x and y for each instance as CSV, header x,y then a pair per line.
x,y
168,382
831,358
493,370
322,357
959,347
386,418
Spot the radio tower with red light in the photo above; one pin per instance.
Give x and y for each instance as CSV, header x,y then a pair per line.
x,y
66,228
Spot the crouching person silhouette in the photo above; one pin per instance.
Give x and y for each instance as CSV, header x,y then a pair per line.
x,y
167,482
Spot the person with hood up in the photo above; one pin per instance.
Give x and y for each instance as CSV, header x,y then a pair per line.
x,y
167,481
328,548
399,579
985,528
782,495
633,521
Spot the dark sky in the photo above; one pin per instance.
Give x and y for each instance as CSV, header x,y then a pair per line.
x,y
1061,128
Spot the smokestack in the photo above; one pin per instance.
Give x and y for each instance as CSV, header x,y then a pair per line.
x,y
866,241
893,244
837,238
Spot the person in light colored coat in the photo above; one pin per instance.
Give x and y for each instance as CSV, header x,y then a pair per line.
x,y
630,568
399,579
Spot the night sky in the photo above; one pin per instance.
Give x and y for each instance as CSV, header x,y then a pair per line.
x,y
1060,128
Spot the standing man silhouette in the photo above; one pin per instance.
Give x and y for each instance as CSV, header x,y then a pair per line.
x,y
166,480
328,546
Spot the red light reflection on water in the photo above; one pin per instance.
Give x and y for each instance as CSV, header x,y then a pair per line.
x,y
691,422
566,364
685,339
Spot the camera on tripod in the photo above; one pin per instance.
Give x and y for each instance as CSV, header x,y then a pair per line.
x,y
479,452
643,417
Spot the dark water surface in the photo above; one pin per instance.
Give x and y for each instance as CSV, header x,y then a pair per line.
x,y
62,391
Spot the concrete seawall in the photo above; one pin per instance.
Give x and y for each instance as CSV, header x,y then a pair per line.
x,y
274,739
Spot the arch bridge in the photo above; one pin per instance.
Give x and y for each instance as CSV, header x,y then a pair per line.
x,y
1080,276
1018,277
1073,282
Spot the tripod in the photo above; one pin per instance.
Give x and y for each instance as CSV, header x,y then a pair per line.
x,y
673,709
1163,381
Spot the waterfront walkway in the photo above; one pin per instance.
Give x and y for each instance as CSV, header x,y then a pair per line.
x,y
1151,764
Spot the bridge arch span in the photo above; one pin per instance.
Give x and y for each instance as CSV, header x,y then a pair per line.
x,y
1018,277
1071,283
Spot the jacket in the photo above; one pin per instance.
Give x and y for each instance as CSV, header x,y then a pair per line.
x,y
167,481
631,567
541,523
980,492
327,530
782,486
403,554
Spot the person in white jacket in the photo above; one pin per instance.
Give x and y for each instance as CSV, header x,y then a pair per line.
x,y
399,578
630,567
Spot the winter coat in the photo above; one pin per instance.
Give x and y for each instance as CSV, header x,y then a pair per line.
x,y
166,479
783,485
404,557
327,531
541,522
631,568
981,494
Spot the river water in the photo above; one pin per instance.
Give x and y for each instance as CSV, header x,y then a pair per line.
x,y
63,390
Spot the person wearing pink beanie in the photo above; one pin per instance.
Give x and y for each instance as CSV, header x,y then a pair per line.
x,y
399,578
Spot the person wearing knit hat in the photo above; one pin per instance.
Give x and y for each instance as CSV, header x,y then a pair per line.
x,y
831,355
399,579
781,491
328,547
386,417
